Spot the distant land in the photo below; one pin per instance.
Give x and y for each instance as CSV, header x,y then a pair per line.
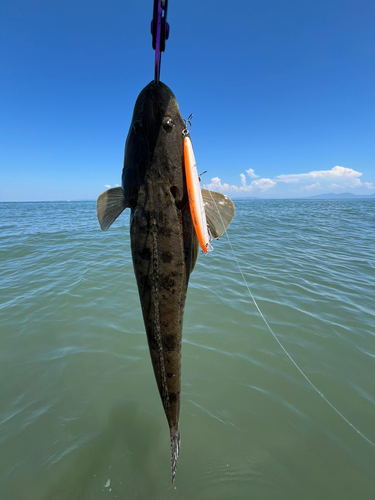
x,y
341,195
326,196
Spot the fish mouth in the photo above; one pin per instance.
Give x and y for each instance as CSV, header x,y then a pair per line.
x,y
157,87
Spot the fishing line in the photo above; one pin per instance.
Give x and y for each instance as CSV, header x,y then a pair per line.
x,y
283,348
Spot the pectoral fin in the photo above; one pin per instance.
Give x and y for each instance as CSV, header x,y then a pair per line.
x,y
109,206
219,212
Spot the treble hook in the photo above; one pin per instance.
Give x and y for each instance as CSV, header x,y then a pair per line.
x,y
159,32
200,175
188,121
185,132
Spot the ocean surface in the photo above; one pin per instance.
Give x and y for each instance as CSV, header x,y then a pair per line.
x,y
80,415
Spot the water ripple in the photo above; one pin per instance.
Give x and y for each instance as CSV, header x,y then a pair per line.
x,y
73,352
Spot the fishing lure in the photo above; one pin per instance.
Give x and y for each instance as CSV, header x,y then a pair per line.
x,y
198,213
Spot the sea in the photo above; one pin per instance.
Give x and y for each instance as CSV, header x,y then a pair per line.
x,y
278,359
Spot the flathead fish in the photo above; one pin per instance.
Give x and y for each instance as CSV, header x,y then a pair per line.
x,y
163,241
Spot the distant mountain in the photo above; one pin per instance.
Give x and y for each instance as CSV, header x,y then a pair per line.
x,y
328,196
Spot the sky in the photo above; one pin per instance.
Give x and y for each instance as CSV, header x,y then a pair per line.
x,y
282,92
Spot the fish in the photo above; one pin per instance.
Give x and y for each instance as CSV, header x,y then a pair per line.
x,y
164,245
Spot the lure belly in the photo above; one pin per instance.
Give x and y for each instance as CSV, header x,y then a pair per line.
x,y
196,203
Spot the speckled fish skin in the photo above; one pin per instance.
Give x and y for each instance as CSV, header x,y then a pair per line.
x,y
163,241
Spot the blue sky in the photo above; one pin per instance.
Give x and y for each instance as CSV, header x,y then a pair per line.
x,y
283,93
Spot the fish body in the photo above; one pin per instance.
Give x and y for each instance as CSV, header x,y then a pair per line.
x,y
163,241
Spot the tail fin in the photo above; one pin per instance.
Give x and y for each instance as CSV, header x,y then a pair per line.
x,y
175,449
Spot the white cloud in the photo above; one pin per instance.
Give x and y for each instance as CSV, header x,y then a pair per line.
x,y
340,177
260,185
251,174
216,185
313,187
338,180
288,179
107,186
263,184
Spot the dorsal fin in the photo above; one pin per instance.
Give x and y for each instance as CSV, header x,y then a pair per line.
x,y
109,206
219,212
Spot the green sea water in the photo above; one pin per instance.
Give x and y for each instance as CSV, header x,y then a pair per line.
x,y
80,415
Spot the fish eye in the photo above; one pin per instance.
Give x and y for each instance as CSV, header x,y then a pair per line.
x,y
137,126
168,124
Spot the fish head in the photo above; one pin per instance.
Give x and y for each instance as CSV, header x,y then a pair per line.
x,y
154,145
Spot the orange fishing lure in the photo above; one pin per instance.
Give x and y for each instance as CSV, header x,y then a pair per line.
x,y
197,210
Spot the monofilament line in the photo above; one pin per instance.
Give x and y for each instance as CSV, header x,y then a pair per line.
x,y
283,348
